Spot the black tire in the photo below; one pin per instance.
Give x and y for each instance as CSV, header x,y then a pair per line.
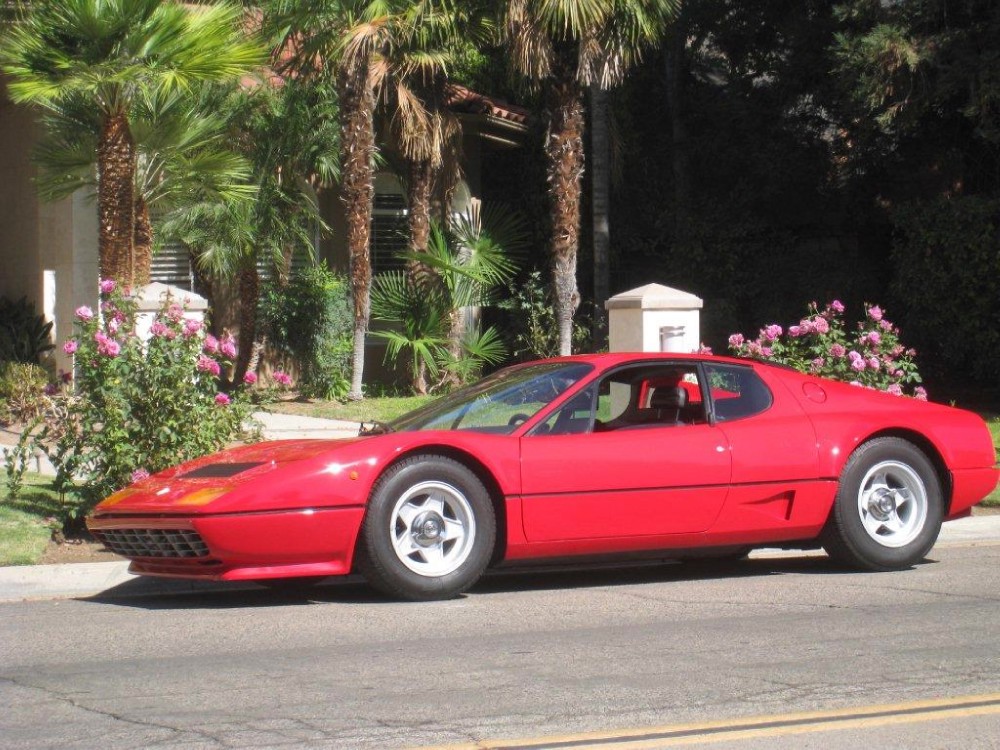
x,y
429,530
888,510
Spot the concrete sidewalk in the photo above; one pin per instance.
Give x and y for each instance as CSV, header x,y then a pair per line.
x,y
112,579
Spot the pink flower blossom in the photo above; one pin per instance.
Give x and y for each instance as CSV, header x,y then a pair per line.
x,y
107,286
795,331
107,346
875,313
139,474
919,393
838,351
70,347
817,364
837,306
159,328
736,340
895,389
772,332
767,351
754,349
249,377
175,312
207,364
222,399
873,363
885,325
820,325
84,313
874,338
191,327
702,349
211,345
282,378
228,346
113,326
857,361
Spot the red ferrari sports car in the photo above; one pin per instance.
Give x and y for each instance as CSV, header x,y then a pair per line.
x,y
654,454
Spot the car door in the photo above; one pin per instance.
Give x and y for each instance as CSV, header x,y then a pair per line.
x,y
587,478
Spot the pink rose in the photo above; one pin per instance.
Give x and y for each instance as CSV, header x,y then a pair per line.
x,y
282,378
222,399
211,345
736,340
107,286
107,346
837,306
795,331
875,313
228,346
873,363
84,313
874,338
175,312
158,328
838,351
772,332
895,389
820,325
207,364
919,393
139,474
817,364
70,347
702,349
250,378
191,327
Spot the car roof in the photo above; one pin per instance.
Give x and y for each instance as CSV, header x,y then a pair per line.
x,y
610,359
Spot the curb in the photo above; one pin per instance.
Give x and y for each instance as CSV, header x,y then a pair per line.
x,y
113,581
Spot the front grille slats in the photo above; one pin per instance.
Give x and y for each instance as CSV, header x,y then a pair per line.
x,y
184,543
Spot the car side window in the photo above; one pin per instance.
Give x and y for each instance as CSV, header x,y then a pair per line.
x,y
640,396
737,392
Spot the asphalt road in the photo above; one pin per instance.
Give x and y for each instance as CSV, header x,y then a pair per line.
x,y
783,652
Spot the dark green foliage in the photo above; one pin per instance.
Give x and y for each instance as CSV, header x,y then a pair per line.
x,y
947,260
310,320
24,334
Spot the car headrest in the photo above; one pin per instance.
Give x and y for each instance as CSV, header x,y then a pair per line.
x,y
668,397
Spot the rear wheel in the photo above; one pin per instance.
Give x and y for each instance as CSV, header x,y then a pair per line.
x,y
889,507
429,530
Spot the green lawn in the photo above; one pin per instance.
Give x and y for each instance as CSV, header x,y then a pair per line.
x,y
994,424
383,409
24,530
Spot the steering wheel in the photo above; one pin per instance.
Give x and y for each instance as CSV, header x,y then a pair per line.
x,y
517,419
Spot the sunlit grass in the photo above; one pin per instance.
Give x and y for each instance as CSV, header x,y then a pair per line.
x,y
24,526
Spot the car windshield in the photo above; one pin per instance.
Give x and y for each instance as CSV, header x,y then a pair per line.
x,y
498,403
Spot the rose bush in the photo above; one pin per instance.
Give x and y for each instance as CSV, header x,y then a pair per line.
x,y
136,407
872,355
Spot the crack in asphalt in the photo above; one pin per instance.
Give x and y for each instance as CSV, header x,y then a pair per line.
x,y
176,732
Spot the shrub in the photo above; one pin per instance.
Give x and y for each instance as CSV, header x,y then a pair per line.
x,y
24,334
138,407
820,344
22,391
533,331
310,320
947,263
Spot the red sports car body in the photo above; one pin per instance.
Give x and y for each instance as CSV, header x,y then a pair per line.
x,y
571,457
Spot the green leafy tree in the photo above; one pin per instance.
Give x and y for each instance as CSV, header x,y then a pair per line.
x,y
110,52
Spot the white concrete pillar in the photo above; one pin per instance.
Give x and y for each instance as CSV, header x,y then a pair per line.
x,y
151,297
654,318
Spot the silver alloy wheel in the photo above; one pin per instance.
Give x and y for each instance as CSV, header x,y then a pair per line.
x,y
893,503
432,528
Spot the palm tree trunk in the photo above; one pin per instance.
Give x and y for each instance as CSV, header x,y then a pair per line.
x,y
116,163
143,242
249,290
357,138
420,187
565,154
600,180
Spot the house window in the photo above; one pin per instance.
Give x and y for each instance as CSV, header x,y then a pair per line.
x,y
172,265
390,234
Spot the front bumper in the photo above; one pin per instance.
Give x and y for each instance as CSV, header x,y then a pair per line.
x,y
234,546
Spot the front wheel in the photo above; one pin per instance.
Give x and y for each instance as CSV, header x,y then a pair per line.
x,y
889,507
429,530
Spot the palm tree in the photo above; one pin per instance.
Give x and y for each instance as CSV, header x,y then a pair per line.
x,y
110,52
182,157
356,45
564,46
